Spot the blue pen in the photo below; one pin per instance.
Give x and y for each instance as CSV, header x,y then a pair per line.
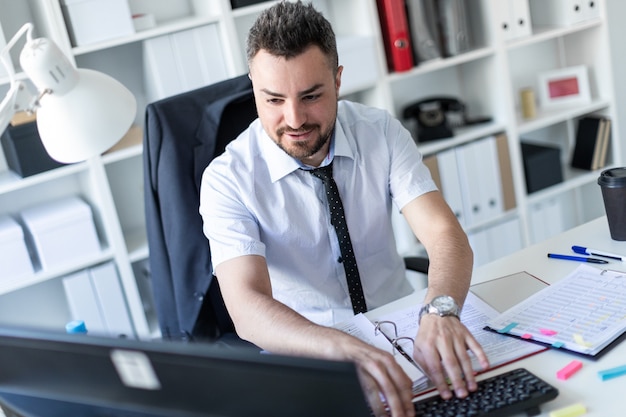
x,y
588,251
577,258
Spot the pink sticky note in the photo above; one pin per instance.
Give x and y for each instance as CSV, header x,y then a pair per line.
x,y
569,370
527,336
547,332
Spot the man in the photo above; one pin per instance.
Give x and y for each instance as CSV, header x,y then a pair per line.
x,y
275,253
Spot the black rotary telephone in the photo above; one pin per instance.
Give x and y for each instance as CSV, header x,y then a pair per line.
x,y
437,117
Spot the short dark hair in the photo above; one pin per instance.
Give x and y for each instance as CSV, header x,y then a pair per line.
x,y
287,29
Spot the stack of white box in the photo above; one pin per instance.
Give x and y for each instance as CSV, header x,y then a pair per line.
x,y
14,258
62,231
91,21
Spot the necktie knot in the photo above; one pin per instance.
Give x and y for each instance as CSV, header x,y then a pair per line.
x,y
324,173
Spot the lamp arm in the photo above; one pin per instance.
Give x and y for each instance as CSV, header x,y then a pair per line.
x,y
19,98
4,55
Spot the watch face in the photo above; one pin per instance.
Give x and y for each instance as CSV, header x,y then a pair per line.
x,y
444,304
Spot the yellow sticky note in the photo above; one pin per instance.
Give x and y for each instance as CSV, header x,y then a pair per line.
x,y
571,411
581,341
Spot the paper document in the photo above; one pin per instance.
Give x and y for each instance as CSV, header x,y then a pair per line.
x,y
361,327
476,313
583,312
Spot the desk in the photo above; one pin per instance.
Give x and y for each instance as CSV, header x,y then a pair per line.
x,y
602,398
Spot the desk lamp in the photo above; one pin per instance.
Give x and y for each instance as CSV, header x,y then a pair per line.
x,y
80,112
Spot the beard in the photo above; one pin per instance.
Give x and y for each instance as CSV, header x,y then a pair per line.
x,y
305,149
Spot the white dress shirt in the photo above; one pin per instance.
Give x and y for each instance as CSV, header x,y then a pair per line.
x,y
256,201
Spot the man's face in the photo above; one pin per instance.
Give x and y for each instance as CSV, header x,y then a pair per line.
x,y
296,101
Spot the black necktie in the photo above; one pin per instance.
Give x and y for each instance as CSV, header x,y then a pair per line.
x,y
338,220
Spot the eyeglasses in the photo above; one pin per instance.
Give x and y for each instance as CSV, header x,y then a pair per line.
x,y
390,331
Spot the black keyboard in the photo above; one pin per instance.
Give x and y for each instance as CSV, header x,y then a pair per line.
x,y
502,395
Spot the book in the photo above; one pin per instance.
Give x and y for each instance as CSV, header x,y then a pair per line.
x,y
394,333
590,138
604,148
583,313
396,36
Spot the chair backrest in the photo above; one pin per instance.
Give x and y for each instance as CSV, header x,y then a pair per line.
x,y
182,135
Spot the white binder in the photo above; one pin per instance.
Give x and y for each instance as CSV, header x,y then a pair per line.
x,y
520,18
504,19
83,303
470,181
110,295
479,241
505,238
513,17
183,61
488,176
557,12
450,184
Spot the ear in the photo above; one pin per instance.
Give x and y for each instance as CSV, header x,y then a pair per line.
x,y
338,78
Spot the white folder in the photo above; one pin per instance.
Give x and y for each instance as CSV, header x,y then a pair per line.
x,y
183,61
520,18
488,176
504,18
470,181
83,303
479,241
557,12
450,182
505,238
111,300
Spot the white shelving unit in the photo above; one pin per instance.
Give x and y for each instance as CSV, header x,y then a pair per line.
x,y
487,79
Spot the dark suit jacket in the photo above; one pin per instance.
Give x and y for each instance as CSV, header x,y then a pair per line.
x,y
183,134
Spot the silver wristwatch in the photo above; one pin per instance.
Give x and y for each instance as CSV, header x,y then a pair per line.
x,y
443,305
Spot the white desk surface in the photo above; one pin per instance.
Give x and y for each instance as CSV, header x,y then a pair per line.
x,y
602,398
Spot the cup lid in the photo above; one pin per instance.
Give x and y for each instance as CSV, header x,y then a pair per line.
x,y
613,177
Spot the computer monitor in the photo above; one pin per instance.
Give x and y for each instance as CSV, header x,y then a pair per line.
x,y
47,374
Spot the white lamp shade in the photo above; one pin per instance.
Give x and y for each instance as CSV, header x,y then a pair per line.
x,y
87,120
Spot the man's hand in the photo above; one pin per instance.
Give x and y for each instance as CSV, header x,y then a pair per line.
x,y
441,349
387,387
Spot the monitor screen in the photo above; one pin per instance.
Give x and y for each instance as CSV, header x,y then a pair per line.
x,y
45,374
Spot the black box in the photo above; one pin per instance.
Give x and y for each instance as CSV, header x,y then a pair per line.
x,y
24,152
542,166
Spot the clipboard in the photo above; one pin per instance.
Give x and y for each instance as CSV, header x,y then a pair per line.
x,y
497,292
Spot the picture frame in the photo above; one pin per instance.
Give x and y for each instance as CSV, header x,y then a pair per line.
x,y
564,87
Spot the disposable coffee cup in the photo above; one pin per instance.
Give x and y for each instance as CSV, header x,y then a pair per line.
x,y
613,185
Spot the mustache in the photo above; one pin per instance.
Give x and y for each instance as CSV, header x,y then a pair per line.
x,y
303,129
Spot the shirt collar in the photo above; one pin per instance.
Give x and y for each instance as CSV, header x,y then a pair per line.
x,y
280,164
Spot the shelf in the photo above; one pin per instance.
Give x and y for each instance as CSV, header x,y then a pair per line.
x,y
546,118
161,29
131,145
569,183
9,285
542,34
136,244
441,63
461,136
10,181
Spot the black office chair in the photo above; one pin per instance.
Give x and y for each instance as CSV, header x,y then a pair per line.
x,y
183,134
